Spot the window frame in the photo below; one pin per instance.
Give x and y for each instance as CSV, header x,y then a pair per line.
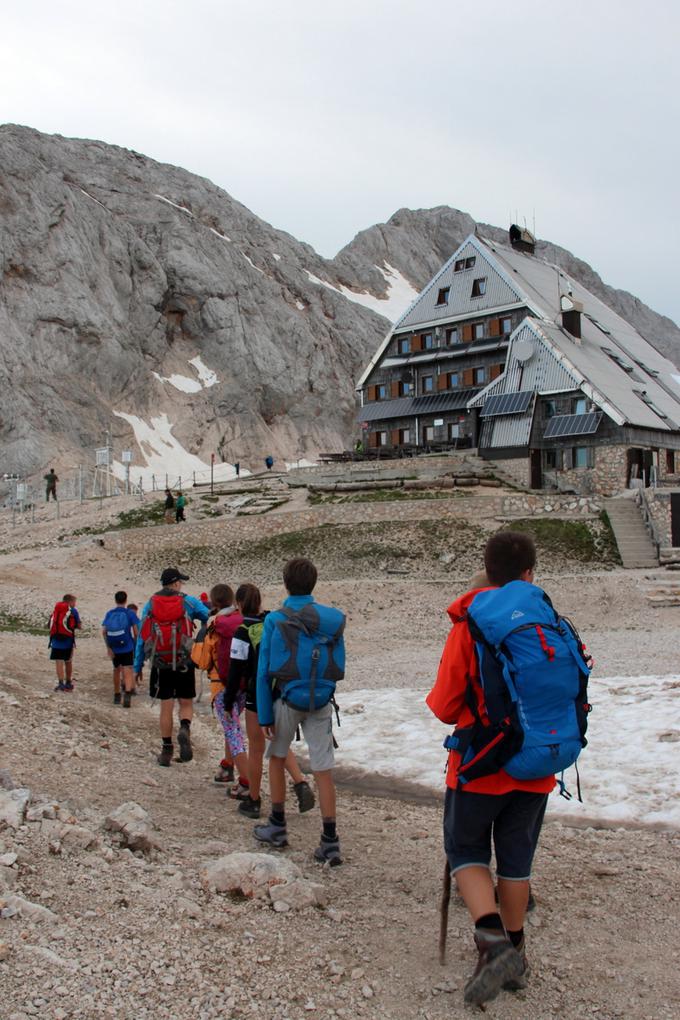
x,y
478,287
443,296
404,345
479,331
424,379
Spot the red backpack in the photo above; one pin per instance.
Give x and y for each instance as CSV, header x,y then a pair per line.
x,y
166,632
62,621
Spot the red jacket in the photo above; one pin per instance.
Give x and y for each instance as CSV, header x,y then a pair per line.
x,y
447,701
226,625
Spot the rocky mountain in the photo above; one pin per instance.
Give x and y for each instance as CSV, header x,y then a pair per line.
x,y
140,299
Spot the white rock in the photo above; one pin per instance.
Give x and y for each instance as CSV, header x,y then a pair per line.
x,y
8,878
77,837
13,805
37,812
49,956
31,911
135,825
263,876
7,860
189,906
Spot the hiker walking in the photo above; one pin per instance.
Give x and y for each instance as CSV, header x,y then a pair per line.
x,y
51,480
241,691
505,749
165,634
180,503
169,507
64,622
302,655
119,630
212,647
269,461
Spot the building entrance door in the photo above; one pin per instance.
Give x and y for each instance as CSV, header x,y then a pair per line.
x,y
639,465
536,473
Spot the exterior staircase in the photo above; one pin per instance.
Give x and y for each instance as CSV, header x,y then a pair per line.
x,y
632,538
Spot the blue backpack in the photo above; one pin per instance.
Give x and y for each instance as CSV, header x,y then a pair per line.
x,y
534,672
118,631
307,655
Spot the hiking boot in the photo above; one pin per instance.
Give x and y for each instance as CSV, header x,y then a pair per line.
x,y
165,757
275,835
68,686
59,687
250,807
305,796
519,982
116,698
328,852
224,774
186,751
239,792
498,962
127,699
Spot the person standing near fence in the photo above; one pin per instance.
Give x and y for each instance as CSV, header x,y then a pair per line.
x,y
169,509
51,480
180,503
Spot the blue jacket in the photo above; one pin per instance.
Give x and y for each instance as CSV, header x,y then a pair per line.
x,y
196,611
265,695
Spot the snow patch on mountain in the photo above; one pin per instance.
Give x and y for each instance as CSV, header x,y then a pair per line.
x,y
400,293
159,450
206,378
182,208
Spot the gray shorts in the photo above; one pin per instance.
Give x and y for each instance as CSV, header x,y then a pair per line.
x,y
317,728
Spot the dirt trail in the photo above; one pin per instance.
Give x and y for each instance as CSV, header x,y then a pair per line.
x,y
137,937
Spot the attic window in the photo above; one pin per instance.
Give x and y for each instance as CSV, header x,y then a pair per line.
x,y
599,325
616,357
650,403
461,264
479,287
443,295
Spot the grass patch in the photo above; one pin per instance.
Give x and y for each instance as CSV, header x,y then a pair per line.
x,y
17,623
583,541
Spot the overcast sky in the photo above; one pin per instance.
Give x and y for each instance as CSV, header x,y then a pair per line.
x,y
326,117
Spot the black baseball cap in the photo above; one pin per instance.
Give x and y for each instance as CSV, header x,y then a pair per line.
x,y
172,574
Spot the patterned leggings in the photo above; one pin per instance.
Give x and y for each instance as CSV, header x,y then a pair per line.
x,y
230,722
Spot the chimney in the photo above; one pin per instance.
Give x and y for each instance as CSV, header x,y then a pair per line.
x,y
571,315
522,239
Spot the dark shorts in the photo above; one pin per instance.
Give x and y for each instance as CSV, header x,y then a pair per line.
x,y
61,653
172,683
251,699
122,659
512,820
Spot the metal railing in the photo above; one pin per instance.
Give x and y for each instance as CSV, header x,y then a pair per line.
x,y
648,520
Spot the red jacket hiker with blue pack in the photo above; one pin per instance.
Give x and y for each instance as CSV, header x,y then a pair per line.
x,y
533,676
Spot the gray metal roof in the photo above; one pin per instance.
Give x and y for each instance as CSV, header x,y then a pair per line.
x,y
407,407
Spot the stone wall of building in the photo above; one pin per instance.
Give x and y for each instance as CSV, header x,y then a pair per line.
x,y
658,501
516,468
607,476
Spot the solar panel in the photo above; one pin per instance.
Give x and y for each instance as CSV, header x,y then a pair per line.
x,y
507,403
573,425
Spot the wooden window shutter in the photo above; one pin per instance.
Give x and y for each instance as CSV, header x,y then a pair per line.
x,y
568,460
372,393
373,439
495,327
394,388
417,342
443,381
394,437
467,333
495,371
469,376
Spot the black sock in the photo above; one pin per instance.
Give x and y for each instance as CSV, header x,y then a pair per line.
x,y
516,937
167,741
185,724
492,922
329,831
278,815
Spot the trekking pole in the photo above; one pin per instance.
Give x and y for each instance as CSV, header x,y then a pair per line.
x,y
444,913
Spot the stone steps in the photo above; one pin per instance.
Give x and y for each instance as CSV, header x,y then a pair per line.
x,y
632,538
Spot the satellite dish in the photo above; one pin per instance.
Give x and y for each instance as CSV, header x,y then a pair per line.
x,y
523,350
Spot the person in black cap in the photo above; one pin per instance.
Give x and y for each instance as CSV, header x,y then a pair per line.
x,y
165,639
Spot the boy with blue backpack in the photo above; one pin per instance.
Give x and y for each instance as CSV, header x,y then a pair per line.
x,y
119,630
302,656
513,678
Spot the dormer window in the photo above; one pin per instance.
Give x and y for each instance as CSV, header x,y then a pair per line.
x,y
443,295
479,287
